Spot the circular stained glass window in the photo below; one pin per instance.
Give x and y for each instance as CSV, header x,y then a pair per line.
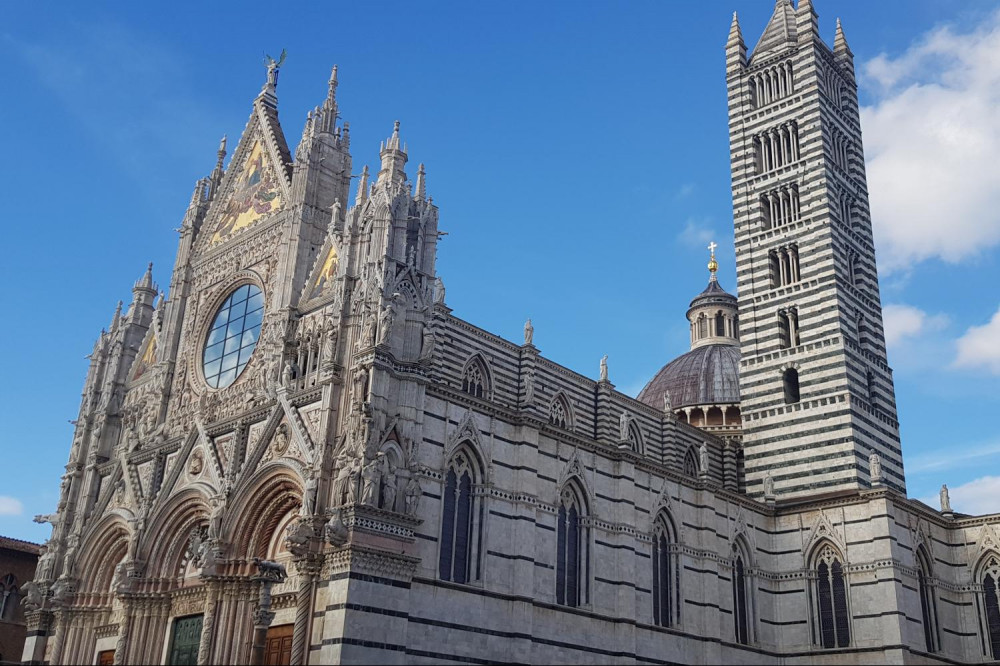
x,y
233,336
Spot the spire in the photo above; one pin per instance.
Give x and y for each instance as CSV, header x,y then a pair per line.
x,y
736,48
116,317
331,96
735,34
218,172
780,31
362,194
146,281
197,199
421,184
393,159
840,47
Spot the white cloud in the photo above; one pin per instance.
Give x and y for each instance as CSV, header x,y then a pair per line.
x,y
979,347
932,137
977,497
10,506
697,232
901,321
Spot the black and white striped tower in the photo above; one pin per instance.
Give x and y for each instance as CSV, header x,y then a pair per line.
x,y
816,391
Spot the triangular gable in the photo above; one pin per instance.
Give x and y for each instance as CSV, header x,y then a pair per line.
x,y
147,355
258,181
321,279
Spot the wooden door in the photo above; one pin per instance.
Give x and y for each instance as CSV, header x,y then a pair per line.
x,y
184,640
279,645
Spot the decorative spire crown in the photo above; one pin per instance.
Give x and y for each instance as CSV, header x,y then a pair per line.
x,y
713,265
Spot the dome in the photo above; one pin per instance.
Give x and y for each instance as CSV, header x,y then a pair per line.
x,y
706,375
714,294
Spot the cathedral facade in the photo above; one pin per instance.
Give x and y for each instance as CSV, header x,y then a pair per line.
x,y
298,454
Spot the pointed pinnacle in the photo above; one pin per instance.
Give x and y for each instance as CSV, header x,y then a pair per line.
x,y
359,198
421,183
840,41
735,34
146,281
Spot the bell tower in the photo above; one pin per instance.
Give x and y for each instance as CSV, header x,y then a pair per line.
x,y
816,390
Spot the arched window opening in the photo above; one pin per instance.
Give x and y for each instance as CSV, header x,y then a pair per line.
x,y
741,610
790,384
831,599
720,323
459,523
634,438
559,413
10,598
691,463
663,575
767,221
702,326
774,268
571,549
870,381
928,605
474,381
991,603
788,328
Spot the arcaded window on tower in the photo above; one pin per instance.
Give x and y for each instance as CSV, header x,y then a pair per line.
x,y
572,548
233,336
790,381
833,620
10,598
459,521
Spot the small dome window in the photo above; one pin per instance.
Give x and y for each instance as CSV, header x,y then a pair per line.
x,y
233,336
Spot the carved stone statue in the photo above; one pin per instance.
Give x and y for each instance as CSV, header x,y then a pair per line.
x,y
768,487
311,494
32,596
120,576
439,291
195,541
197,463
297,536
215,520
367,332
353,480
59,593
330,343
945,500
413,493
371,474
388,486
359,382
335,532
386,320
529,332
288,373
703,458
427,343
604,368
340,480
667,406
875,468
623,427
69,560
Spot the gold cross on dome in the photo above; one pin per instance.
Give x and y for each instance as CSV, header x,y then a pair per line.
x,y
711,247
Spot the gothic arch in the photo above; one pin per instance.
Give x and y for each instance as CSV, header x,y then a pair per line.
x,y
477,379
743,586
460,553
635,437
100,553
255,512
691,466
832,614
561,411
572,544
166,539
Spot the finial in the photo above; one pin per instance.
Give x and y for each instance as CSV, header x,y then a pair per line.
x,y
840,46
221,156
333,79
222,146
421,183
359,198
713,265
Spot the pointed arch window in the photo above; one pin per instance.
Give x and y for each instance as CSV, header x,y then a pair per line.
x,y
928,604
831,600
559,412
474,381
991,605
691,463
741,596
572,548
460,522
634,438
664,580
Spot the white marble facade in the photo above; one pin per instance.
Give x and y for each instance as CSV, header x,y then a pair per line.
x,y
334,431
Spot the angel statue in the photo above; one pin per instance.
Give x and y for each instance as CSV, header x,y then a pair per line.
x,y
273,66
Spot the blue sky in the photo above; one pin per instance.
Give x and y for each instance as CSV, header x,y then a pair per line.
x,y
578,153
